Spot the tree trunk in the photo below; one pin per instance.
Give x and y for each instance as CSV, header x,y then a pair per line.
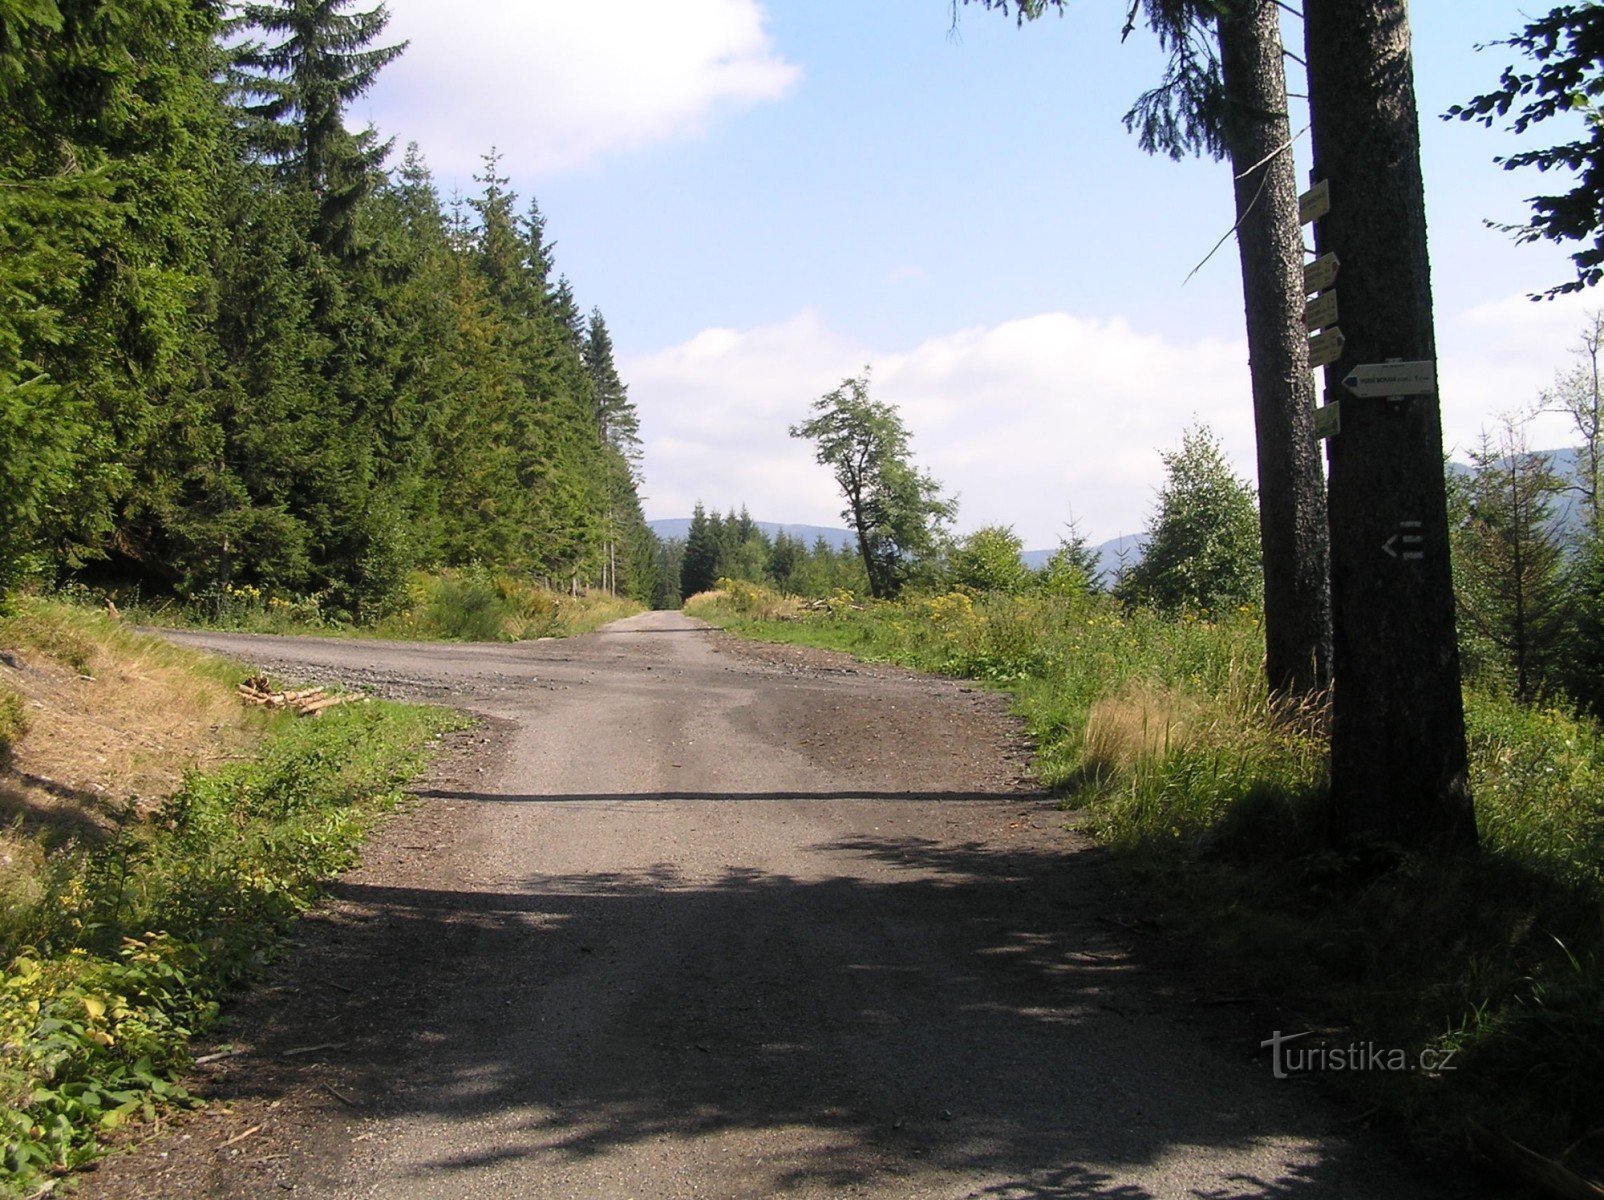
x,y
1398,760
1292,508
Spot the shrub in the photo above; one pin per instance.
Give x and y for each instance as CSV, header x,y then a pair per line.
x,y
13,724
988,560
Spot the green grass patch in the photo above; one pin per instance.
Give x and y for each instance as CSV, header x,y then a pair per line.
x,y
118,953
468,606
1160,734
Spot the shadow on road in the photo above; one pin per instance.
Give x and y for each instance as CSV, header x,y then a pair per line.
x,y
919,1009
748,797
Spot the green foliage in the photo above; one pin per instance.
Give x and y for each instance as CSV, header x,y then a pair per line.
x,y
235,354
1567,48
13,724
1073,568
104,191
1202,541
987,560
896,510
699,565
1583,665
735,547
132,944
475,605
1508,567
293,93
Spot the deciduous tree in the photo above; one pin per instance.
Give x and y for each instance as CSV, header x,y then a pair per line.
x,y
1565,80
895,509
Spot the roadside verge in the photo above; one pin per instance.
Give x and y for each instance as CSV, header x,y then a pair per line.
x,y
158,839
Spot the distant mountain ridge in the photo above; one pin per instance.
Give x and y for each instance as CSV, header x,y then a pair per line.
x,y
837,539
1123,551
1109,553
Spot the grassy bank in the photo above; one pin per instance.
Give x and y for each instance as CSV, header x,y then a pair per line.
x,y
1160,734
157,839
467,606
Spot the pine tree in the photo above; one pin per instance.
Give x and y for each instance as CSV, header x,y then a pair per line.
x,y
1224,95
107,198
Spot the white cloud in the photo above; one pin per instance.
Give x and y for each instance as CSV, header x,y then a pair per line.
x,y
1029,420
1498,357
557,85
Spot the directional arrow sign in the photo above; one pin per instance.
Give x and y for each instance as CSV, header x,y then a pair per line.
x,y
1406,544
1326,347
1393,379
1328,420
1321,312
1314,203
1320,274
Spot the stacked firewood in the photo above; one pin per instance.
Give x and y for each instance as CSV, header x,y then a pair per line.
x,y
308,702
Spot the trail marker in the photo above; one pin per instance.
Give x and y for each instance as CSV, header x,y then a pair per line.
x,y
1326,347
1410,538
1393,379
1321,273
1321,312
1314,203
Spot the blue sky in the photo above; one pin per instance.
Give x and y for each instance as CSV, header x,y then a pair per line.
x,y
763,197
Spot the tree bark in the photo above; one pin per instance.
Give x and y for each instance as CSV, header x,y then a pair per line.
x,y
1292,507
1398,759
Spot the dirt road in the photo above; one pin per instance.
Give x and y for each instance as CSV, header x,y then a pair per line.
x,y
694,918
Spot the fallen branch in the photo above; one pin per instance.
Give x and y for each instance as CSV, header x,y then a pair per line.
x,y
240,1137
341,1096
221,1054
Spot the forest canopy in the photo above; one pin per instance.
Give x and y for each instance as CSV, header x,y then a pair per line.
x,y
242,345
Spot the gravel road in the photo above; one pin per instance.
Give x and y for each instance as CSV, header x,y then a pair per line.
x,y
691,917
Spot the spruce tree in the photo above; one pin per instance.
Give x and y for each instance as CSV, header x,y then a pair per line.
x,y
616,420
294,88
1508,562
699,565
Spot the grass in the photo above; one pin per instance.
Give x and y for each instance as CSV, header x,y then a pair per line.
x,y
1159,733
470,606
159,839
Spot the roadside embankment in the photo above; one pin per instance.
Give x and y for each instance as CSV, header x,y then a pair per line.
x,y
157,835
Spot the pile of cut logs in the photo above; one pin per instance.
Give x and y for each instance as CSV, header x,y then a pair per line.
x,y
308,702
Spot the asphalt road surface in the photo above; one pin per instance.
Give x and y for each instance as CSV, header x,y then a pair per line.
x,y
687,917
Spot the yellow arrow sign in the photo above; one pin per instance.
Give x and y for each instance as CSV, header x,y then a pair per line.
x,y
1321,273
1314,203
1326,347
1321,312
